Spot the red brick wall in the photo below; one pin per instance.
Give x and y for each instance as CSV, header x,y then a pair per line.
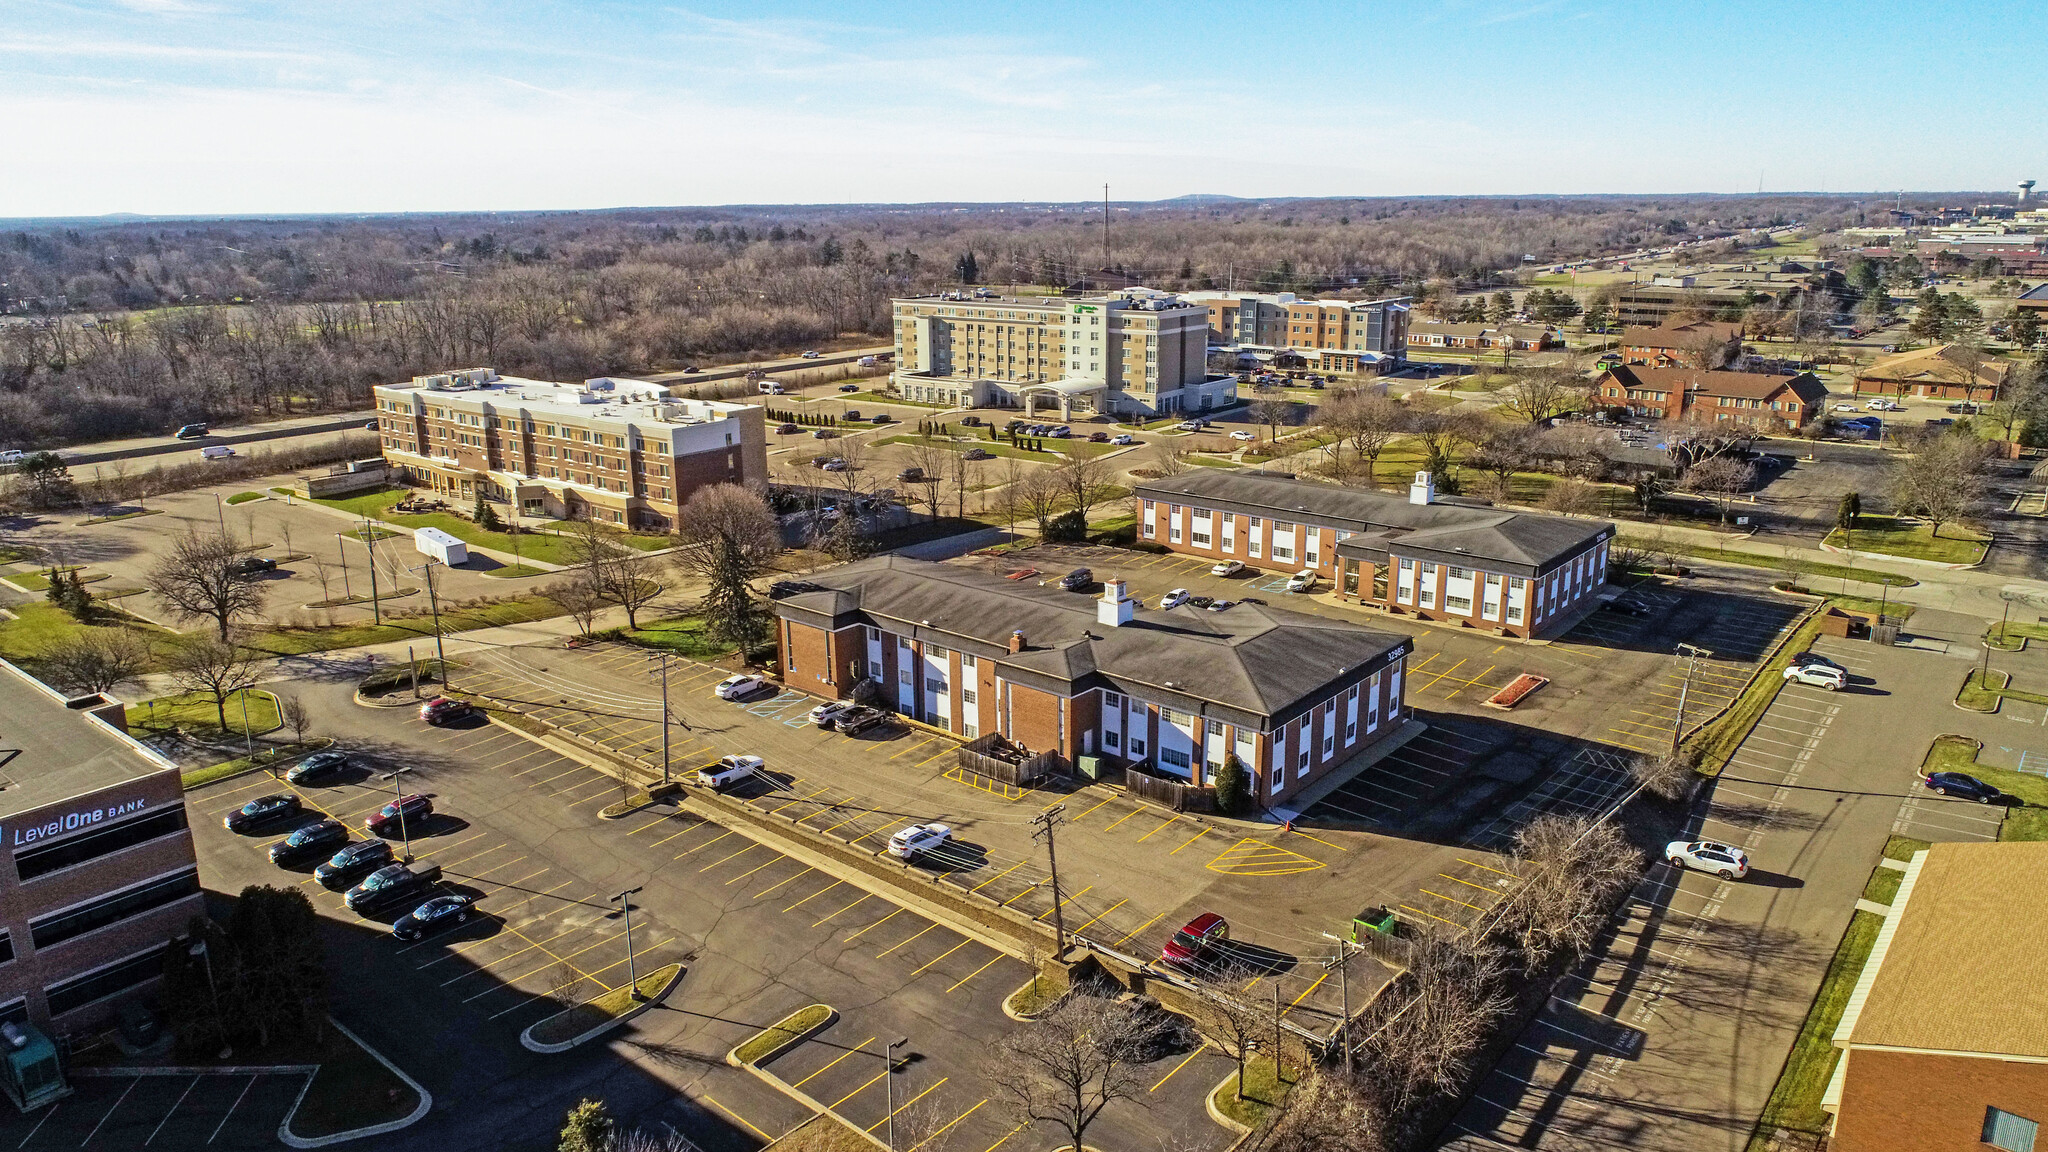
x,y
1915,1102
807,660
1034,718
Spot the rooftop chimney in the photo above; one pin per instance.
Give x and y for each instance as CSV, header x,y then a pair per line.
x,y
1114,609
1423,491
1016,641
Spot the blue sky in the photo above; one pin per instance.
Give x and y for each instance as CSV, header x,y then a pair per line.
x,y
205,106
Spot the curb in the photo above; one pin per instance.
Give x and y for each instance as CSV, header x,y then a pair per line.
x,y
1215,1113
284,1127
1997,696
1015,1015
732,1055
527,1041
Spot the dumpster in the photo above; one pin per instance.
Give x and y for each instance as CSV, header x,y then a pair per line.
x,y
1089,767
1374,919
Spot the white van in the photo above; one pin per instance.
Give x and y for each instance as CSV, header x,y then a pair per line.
x,y
216,452
771,388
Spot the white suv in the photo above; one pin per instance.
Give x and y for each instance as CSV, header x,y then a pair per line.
x,y
1722,860
1818,676
1302,581
1173,599
918,839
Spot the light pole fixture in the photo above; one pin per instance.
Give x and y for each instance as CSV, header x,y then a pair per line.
x,y
1692,653
625,902
889,1086
396,776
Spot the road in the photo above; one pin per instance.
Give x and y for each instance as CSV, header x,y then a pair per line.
x,y
298,428
1672,1033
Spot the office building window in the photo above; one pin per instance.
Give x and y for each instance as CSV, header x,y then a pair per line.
x,y
80,991
60,926
33,862
2005,1130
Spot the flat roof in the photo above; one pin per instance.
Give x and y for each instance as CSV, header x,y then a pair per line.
x,y
1955,963
53,752
603,396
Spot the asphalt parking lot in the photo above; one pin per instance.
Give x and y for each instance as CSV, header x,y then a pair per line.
x,y
122,1111
762,934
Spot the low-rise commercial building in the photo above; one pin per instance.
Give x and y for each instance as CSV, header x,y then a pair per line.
x,y
1941,1045
1438,558
1651,305
621,452
1684,344
1137,352
1519,337
1177,692
1751,399
99,874
1940,372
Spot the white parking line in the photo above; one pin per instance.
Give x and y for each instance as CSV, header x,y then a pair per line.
x,y
103,1120
174,1108
231,1108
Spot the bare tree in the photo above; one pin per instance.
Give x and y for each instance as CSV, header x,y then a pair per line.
x,y
1505,451
1569,870
1665,774
1272,413
1941,479
1038,496
1326,1112
1084,480
1706,350
294,714
1074,1061
1443,436
94,659
1721,477
931,461
729,537
580,599
218,668
1539,394
1426,1037
1236,1026
197,579
1168,457
1368,422
1572,498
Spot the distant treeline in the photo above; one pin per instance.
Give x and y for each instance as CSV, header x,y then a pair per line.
x,y
135,327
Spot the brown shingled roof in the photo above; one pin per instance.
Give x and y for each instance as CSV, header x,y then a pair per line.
x,y
1741,385
1935,365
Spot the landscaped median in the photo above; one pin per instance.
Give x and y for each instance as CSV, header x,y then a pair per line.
x,y
598,1015
2028,820
1717,739
1910,540
1983,689
1264,1088
783,1035
356,1093
267,758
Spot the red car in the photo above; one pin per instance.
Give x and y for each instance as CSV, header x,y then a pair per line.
x,y
414,809
1201,935
440,710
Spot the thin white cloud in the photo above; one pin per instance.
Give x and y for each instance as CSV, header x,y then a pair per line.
x,y
168,7
42,46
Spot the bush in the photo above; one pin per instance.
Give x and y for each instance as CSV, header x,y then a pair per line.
x,y
1233,786
1066,528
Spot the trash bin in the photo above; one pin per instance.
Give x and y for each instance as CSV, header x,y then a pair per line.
x,y
1089,766
1375,919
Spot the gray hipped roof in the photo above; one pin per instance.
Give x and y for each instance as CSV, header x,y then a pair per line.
x,y
1448,529
1247,664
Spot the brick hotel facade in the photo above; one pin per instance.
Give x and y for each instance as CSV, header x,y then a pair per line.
x,y
1432,557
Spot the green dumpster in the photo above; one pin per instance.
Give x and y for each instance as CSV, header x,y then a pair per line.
x,y
1374,919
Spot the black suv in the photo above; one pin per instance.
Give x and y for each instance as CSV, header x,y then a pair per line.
x,y
1078,580
855,721
354,860
391,886
309,843
252,565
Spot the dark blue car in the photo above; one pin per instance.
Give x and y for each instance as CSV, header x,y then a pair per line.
x,y
435,914
1964,785
309,843
317,766
263,810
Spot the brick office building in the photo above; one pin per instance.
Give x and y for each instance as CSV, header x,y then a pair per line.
x,y
621,452
1942,1047
1371,335
1683,344
1754,399
99,873
1438,558
1938,372
1292,696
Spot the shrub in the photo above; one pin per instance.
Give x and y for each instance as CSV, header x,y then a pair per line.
x,y
1066,528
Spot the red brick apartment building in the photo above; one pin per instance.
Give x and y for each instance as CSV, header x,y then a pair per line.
x,y
1373,332
1292,696
1437,558
1675,345
1942,1043
99,873
1773,403
618,451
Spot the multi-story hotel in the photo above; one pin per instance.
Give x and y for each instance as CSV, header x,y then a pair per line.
x,y
621,452
1437,558
99,875
1137,352
1342,335
1291,696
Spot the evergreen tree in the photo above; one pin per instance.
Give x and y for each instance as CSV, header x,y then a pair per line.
x,y
486,517
1233,786
588,1128
1501,307
1852,507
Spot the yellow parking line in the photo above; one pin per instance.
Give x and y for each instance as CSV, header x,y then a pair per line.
x,y
649,824
934,756
820,920
1155,831
1006,1137
875,925
728,856
737,1116
1078,819
1018,896
1311,988
862,1088
1101,914
751,871
841,1056
996,877
1317,839
801,799
906,940
780,883
814,895
1190,840
1138,929
1469,884
941,956
949,1125
1124,817
1441,896
908,1103
1178,1067
704,845
912,748
1064,901
1438,919
977,971
687,829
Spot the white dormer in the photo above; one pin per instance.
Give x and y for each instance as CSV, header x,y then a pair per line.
x,y
1114,610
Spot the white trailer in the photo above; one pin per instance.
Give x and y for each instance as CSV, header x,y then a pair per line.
x,y
441,546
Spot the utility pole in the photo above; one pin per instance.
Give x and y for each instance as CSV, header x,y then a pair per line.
x,y
343,551
396,776
664,718
1105,227
625,901
1279,1073
1342,963
434,602
1692,653
220,510
370,546
889,1085
1046,821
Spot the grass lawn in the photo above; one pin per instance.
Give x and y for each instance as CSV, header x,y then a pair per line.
x,y
2009,637
1795,1101
126,514
1982,691
1038,995
685,636
40,581
509,571
1717,744
297,641
36,626
546,546
1904,848
262,759
2029,822
823,1133
613,1003
1884,885
195,712
883,398
375,533
1263,1091
1913,540
245,497
785,1031
1213,461
1776,563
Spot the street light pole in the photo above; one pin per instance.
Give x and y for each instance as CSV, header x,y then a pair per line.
x,y
398,794
889,1086
625,900
664,718
213,993
1692,653
370,546
1342,963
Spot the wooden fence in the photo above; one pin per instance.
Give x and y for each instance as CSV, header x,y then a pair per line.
x,y
975,757
1169,793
